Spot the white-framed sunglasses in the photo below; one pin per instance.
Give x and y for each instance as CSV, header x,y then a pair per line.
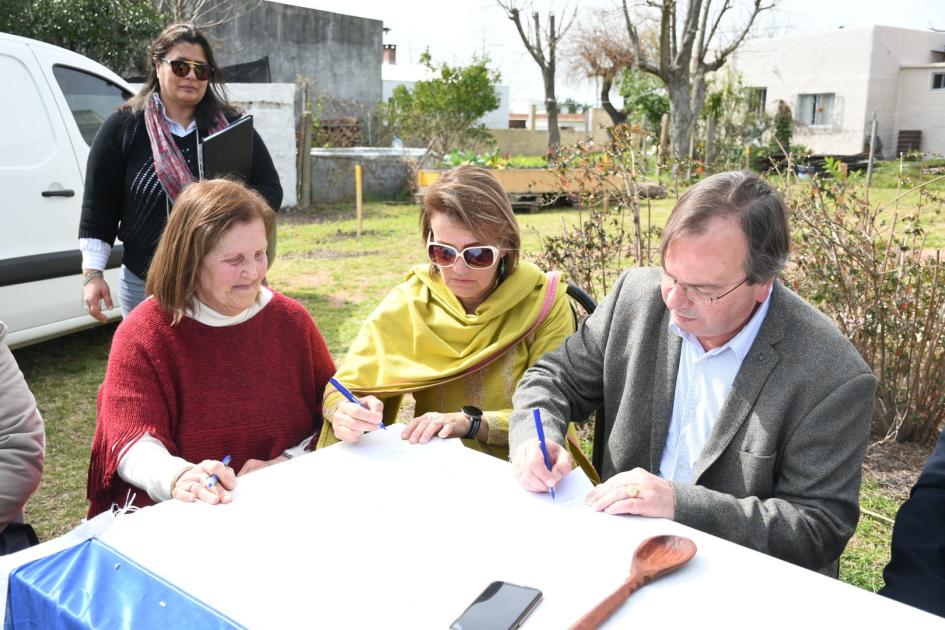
x,y
475,257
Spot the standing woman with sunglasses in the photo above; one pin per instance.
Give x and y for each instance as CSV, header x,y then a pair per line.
x,y
145,154
459,332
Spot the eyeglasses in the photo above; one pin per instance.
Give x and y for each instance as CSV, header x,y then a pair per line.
x,y
477,257
695,295
182,68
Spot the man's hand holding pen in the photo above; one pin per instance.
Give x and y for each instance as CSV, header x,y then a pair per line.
x,y
528,465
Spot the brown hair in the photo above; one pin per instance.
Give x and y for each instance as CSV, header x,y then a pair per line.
x,y
214,99
759,209
474,197
202,214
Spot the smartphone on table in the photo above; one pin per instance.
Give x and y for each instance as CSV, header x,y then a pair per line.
x,y
501,605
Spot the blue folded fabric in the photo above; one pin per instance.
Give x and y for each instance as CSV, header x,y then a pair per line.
x,y
91,585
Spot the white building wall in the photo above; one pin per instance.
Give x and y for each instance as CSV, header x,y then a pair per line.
x,y
837,63
921,107
272,106
859,66
498,118
893,48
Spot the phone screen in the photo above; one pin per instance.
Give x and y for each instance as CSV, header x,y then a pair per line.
x,y
500,605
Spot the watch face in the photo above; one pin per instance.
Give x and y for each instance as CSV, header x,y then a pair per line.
x,y
472,412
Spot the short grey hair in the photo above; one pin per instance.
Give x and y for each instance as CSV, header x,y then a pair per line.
x,y
759,208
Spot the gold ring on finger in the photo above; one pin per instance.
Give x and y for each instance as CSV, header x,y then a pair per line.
x,y
633,491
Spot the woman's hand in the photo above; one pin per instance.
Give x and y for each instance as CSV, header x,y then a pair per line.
x,y
93,293
192,484
351,421
252,465
445,425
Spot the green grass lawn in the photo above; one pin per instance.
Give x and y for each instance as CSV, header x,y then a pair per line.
x,y
339,277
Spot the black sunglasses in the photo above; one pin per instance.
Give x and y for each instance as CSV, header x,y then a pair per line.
x,y
182,68
477,257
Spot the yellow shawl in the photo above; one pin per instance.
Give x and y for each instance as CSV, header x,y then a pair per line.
x,y
421,335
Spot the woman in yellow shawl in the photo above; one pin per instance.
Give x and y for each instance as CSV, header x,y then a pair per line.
x,y
458,333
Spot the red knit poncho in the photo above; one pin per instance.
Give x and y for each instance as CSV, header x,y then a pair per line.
x,y
250,390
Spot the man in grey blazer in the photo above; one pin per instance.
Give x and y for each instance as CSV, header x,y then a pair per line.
x,y
731,404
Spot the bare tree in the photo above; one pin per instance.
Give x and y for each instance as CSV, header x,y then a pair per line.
x,y
685,41
542,45
204,13
599,50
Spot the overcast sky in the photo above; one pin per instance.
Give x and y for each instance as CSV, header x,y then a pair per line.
x,y
455,31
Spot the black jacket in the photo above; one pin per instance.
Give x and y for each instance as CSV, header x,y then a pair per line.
x,y
124,198
916,573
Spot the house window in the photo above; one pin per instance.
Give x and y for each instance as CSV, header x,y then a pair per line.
x,y
938,80
815,110
755,99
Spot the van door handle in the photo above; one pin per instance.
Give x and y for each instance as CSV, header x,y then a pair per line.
x,y
68,192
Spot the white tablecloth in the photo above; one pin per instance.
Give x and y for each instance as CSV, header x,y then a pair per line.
x,y
385,534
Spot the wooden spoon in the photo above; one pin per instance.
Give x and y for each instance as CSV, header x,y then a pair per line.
x,y
654,557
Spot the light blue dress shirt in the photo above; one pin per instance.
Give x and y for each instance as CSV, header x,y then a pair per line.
x,y
703,381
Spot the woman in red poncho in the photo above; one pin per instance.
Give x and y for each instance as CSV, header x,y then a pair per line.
x,y
213,364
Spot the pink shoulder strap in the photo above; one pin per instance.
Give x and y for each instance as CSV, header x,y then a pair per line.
x,y
551,288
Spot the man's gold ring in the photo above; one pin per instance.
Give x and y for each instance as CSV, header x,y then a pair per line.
x,y
633,491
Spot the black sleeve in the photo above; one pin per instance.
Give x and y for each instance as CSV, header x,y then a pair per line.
x,y
105,181
915,574
264,179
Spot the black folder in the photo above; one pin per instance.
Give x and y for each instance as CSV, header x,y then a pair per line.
x,y
228,152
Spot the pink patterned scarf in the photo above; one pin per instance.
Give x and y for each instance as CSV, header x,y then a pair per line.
x,y
169,163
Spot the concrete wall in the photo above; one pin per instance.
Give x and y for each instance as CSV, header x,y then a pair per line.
x,y
859,66
535,142
921,107
340,54
387,173
272,107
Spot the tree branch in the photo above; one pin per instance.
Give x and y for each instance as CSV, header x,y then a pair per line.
x,y
513,13
703,20
683,56
721,56
715,26
643,60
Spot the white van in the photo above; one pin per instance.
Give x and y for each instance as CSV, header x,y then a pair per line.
x,y
53,101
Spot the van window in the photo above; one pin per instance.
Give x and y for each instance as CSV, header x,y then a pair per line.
x,y
92,99
26,133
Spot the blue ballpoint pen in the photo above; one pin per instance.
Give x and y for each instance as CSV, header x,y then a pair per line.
x,y
213,479
541,441
351,397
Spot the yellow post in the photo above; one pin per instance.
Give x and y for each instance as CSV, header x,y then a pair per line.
x,y
357,195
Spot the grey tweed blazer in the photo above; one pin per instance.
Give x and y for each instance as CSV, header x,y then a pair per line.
x,y
780,472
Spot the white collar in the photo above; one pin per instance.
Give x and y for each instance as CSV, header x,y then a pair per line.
x,y
176,128
206,315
